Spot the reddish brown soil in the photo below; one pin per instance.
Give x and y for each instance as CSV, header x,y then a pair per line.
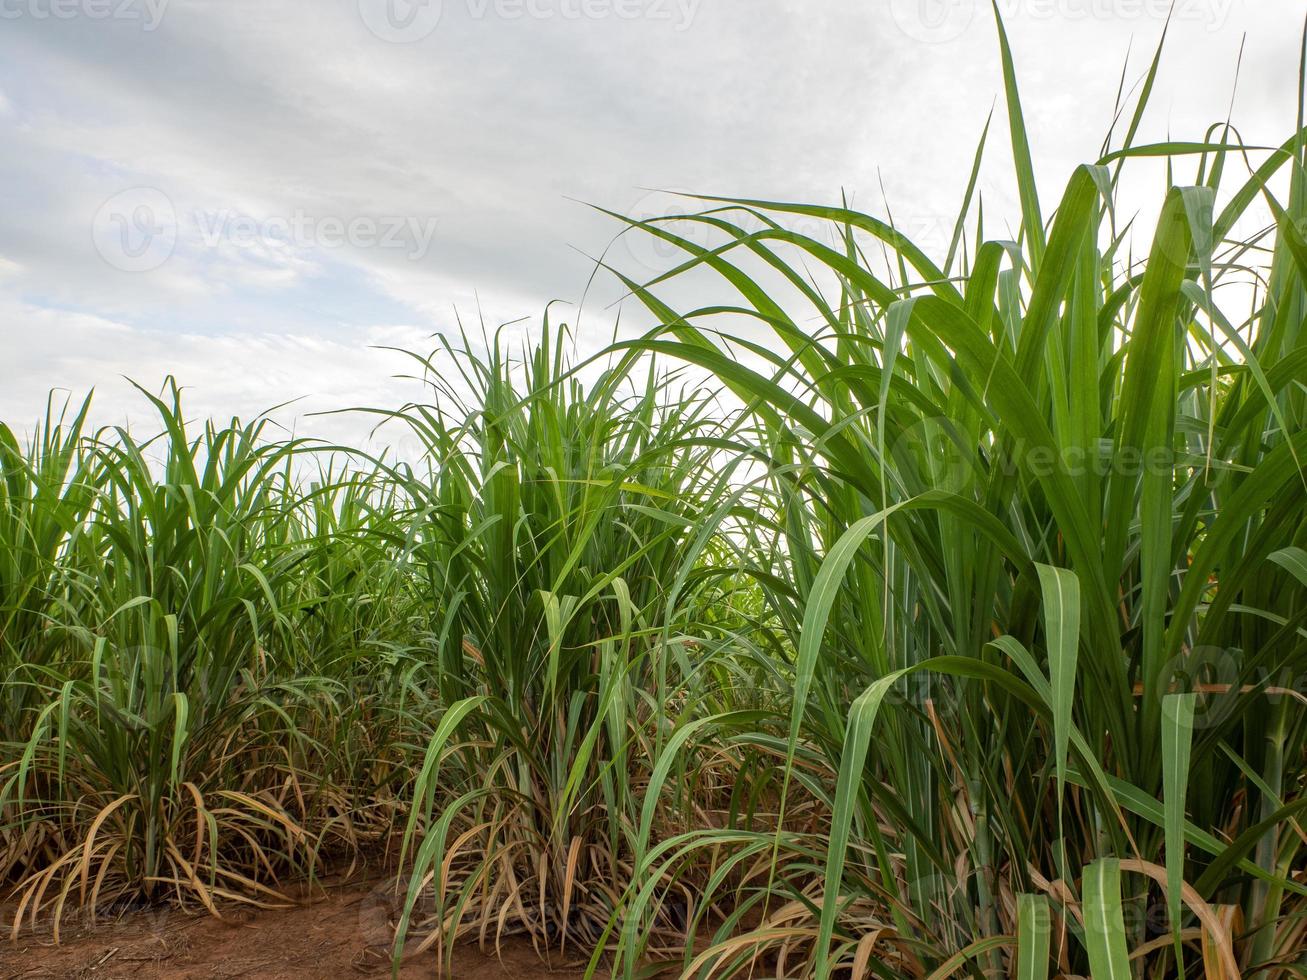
x,y
341,935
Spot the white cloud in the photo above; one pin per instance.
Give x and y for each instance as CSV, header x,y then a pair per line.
x,y
491,126
223,375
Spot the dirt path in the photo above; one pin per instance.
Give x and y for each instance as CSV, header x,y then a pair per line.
x,y
342,935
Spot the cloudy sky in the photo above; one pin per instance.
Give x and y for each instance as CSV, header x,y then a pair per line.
x,y
256,194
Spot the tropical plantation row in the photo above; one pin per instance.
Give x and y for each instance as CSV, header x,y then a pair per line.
x,y
894,615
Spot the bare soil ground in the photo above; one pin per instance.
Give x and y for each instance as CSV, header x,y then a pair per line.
x,y
340,934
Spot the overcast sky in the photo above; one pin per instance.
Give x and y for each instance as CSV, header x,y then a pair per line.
x,y
253,194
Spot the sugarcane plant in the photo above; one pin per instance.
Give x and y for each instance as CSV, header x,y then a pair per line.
x,y
1043,567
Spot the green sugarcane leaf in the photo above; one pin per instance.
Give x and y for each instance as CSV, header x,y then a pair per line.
x,y
1104,919
1177,739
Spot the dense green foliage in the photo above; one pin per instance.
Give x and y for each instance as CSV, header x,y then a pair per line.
x,y
958,624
